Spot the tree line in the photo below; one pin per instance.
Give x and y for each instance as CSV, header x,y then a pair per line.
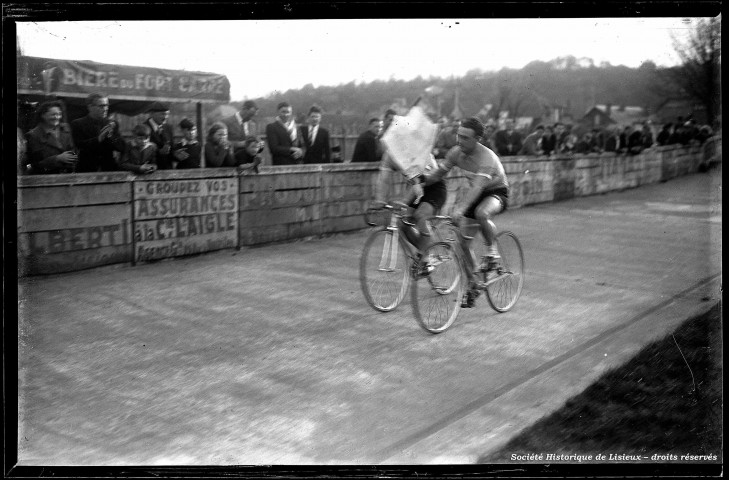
x,y
572,85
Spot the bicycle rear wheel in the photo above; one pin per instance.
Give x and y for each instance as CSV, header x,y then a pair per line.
x,y
384,270
436,296
503,290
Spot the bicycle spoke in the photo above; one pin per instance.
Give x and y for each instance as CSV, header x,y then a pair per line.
x,y
384,271
504,290
436,298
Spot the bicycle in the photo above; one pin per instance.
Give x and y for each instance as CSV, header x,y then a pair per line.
x,y
436,303
388,261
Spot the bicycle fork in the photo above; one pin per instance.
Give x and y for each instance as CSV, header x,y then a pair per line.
x,y
388,261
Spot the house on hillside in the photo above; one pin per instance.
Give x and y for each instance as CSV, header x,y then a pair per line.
x,y
602,116
672,108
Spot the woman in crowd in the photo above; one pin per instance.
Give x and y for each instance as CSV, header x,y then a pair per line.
x,y
248,158
218,151
50,147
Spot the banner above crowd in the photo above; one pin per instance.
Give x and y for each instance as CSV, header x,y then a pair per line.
x,y
79,78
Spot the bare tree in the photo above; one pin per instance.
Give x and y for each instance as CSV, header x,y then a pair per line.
x,y
700,54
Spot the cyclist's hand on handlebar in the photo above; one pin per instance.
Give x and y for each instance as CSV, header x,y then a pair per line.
x,y
377,204
418,191
457,215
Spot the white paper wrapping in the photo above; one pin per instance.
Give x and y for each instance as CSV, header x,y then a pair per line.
x,y
410,139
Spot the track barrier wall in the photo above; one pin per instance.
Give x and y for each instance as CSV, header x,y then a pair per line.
x,y
73,222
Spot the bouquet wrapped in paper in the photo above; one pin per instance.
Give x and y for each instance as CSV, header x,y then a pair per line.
x,y
409,141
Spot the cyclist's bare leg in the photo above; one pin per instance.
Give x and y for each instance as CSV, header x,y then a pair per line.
x,y
424,211
485,212
466,226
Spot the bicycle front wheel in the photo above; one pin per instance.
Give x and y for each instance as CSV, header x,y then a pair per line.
x,y
384,270
504,288
437,292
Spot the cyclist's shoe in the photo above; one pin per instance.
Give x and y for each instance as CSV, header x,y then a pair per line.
x,y
469,299
425,266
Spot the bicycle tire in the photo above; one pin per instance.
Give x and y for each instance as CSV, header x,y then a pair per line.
x,y
436,296
384,270
503,291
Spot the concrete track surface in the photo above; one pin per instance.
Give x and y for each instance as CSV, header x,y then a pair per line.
x,y
271,355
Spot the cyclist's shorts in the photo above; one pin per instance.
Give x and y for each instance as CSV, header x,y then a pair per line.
x,y
502,193
434,194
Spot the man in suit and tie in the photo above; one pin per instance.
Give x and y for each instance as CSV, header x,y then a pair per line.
x,y
241,125
316,138
284,139
162,134
508,141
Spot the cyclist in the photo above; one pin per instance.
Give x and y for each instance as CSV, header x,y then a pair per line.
x,y
427,200
486,196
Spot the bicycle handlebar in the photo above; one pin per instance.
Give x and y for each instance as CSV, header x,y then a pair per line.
x,y
398,208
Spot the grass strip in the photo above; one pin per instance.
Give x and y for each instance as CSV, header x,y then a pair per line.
x,y
664,404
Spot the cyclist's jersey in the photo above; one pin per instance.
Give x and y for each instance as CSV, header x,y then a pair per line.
x,y
480,162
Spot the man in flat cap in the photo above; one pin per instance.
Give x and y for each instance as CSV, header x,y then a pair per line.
x,y
162,134
241,125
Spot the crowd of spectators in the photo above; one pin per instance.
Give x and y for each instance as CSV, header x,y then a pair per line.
x,y
564,139
93,143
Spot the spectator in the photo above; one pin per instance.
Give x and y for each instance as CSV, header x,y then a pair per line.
x,y
549,140
586,144
367,148
562,135
598,141
487,140
624,136
678,136
665,134
187,152
389,117
612,142
316,138
241,125
569,140
508,141
646,137
162,134
691,131
284,142
140,154
96,137
704,134
531,142
218,151
248,158
50,146
635,140
446,139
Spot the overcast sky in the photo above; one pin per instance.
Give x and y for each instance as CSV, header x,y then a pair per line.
x,y
260,56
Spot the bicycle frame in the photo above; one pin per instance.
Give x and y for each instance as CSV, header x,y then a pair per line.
x,y
458,241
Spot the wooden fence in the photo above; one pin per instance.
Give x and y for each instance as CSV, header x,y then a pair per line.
x,y
76,221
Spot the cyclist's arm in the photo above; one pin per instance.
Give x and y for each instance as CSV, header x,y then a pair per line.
x,y
382,184
437,174
387,166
